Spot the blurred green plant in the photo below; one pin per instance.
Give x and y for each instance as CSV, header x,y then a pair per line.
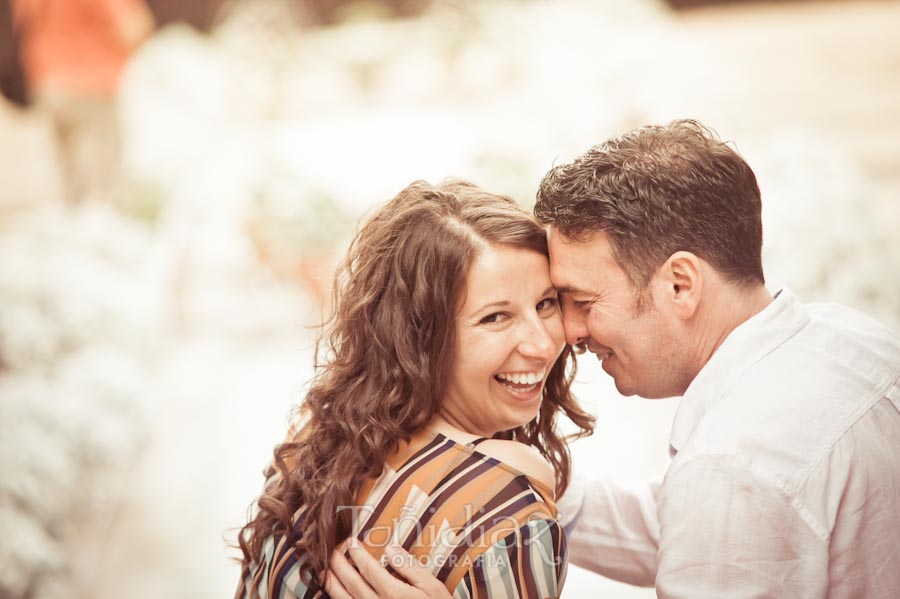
x,y
298,232
141,199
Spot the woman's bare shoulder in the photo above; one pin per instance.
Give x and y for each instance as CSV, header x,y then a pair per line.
x,y
524,458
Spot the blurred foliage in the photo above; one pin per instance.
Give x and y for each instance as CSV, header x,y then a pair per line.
x,y
80,315
330,12
143,200
204,14
197,13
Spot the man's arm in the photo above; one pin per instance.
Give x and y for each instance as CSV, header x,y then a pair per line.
x,y
727,533
612,528
370,580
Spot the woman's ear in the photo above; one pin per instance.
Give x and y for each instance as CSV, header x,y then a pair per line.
x,y
682,278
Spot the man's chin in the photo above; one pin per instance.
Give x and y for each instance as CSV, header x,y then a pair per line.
x,y
622,386
626,389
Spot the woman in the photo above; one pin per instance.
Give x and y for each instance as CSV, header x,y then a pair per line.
x,y
445,361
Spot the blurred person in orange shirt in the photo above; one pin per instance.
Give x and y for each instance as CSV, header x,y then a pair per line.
x,y
73,53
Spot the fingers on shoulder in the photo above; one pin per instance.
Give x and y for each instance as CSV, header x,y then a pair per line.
x,y
524,458
417,573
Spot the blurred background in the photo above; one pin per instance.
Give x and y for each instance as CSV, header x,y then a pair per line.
x,y
177,180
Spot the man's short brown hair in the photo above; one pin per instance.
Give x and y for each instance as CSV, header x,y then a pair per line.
x,y
658,190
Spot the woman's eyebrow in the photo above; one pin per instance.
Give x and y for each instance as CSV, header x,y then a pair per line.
x,y
500,304
505,303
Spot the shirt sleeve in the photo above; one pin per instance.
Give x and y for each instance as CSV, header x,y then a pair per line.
x,y
728,533
527,564
612,528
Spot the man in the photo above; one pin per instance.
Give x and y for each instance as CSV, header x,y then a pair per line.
x,y
73,54
785,472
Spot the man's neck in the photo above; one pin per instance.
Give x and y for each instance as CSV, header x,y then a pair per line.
x,y
728,308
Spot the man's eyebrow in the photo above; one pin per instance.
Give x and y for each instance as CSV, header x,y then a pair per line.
x,y
568,289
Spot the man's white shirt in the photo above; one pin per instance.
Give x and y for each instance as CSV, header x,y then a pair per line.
x,y
785,472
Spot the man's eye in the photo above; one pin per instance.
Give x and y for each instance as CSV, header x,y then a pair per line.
x,y
581,304
494,318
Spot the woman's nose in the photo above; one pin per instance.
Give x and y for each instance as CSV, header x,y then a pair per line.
x,y
538,342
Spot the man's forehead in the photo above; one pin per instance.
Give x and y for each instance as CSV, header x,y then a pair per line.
x,y
581,267
568,257
579,238
588,246
568,277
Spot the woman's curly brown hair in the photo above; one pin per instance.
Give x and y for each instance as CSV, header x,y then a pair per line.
x,y
387,350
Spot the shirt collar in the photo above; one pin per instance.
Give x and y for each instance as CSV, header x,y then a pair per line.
x,y
744,347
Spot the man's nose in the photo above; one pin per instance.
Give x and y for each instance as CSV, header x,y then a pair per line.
x,y
574,323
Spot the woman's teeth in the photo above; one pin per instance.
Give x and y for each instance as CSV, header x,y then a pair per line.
x,y
521,378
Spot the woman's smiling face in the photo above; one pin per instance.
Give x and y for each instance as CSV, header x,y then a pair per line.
x,y
509,333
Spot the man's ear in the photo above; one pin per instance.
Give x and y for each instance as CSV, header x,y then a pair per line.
x,y
682,277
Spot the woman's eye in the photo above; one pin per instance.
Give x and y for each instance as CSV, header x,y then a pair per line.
x,y
547,304
494,318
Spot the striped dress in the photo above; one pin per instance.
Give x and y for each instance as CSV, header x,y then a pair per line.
x,y
486,530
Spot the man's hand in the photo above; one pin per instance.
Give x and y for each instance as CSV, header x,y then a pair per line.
x,y
370,580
